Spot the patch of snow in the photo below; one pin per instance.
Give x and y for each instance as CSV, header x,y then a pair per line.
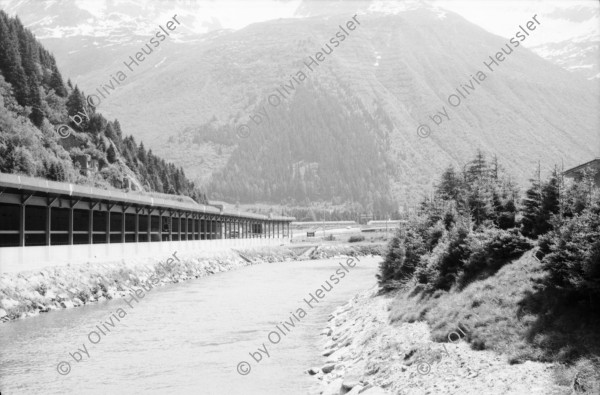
x,y
583,66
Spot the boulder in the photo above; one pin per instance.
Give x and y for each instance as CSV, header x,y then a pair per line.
x,y
112,293
351,381
333,388
313,371
9,303
331,345
328,368
348,385
339,354
374,391
356,390
77,302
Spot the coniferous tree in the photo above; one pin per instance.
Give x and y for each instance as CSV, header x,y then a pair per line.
x,y
542,201
532,206
450,186
76,104
56,83
550,203
10,61
111,154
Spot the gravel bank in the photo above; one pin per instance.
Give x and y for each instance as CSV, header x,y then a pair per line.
x,y
364,354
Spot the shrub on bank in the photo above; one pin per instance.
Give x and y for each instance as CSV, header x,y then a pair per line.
x,y
356,238
441,258
404,253
572,252
490,250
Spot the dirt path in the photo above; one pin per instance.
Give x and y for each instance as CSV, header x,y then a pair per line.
x,y
367,355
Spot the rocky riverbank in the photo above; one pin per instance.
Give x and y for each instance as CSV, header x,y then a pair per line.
x,y
365,354
27,294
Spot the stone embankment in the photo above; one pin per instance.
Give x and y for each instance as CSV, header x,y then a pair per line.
x,y
365,354
27,294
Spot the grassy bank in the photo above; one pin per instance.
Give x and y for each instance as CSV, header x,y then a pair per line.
x,y
506,313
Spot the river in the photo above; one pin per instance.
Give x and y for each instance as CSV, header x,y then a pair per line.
x,y
187,338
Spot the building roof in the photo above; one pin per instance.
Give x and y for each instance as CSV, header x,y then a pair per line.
x,y
578,168
32,184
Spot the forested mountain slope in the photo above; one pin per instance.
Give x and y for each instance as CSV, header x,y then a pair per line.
x,y
49,130
391,74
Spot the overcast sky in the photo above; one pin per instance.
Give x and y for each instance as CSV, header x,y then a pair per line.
x,y
502,16
560,19
563,18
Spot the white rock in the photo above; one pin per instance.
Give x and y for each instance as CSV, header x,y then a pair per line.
x,y
356,390
9,303
374,391
333,388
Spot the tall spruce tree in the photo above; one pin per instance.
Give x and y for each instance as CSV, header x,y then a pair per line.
x,y
541,202
532,206
56,83
450,185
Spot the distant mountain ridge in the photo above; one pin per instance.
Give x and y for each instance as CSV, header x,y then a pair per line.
x,y
83,34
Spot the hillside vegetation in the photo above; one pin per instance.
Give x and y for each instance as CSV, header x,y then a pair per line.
x,y
518,276
34,101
